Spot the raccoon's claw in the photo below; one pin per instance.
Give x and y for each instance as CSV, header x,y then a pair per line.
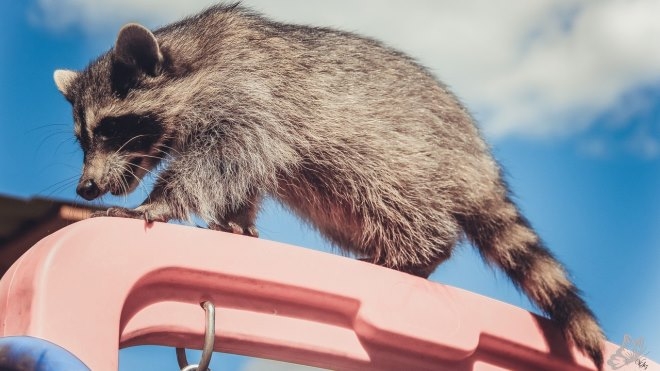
x,y
151,217
252,231
235,228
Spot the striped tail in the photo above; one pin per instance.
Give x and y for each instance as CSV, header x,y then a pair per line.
x,y
505,238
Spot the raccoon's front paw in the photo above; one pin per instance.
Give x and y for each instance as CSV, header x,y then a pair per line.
x,y
119,212
137,213
235,228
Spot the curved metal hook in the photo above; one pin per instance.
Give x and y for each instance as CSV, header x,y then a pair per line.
x,y
209,341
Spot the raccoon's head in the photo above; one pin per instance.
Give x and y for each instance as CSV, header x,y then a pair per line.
x,y
119,110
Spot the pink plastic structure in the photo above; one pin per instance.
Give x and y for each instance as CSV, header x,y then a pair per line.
x,y
107,283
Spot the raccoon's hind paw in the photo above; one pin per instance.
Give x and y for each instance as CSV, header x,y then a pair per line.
x,y
419,270
235,228
138,213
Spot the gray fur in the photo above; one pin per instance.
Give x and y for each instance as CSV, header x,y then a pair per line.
x,y
354,137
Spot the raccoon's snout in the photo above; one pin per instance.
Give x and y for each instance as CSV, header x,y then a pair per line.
x,y
88,189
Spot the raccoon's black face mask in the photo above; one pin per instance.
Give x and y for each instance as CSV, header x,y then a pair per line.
x,y
121,140
120,151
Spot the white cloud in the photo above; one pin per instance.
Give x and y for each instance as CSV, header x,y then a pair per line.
x,y
544,67
99,15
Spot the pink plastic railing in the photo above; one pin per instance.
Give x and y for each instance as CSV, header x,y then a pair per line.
x,y
107,283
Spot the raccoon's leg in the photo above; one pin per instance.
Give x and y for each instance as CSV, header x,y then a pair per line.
x,y
154,209
240,221
413,246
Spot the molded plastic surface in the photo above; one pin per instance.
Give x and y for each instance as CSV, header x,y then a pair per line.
x,y
107,283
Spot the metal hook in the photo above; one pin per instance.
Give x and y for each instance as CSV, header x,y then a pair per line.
x,y
209,340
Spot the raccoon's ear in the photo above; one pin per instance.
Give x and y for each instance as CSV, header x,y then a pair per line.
x,y
137,48
63,80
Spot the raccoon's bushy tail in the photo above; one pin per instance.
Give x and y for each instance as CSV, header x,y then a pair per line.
x,y
505,238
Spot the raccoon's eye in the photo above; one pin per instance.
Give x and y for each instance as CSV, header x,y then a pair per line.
x,y
130,133
107,130
111,134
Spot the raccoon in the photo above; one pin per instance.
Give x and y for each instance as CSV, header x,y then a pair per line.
x,y
354,137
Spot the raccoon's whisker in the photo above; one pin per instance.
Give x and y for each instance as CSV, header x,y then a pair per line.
x,y
65,180
119,178
45,139
64,126
100,202
156,175
58,189
166,153
123,183
68,141
128,141
116,175
140,182
166,156
126,169
59,186
120,175
154,157
169,151
63,164
131,173
170,148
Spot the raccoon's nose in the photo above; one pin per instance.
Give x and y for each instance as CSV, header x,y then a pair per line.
x,y
88,189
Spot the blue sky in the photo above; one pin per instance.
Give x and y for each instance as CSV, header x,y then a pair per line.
x,y
567,92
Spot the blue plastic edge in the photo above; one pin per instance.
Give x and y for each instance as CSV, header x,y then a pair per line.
x,y
30,353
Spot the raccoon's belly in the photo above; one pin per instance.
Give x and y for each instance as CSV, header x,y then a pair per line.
x,y
323,202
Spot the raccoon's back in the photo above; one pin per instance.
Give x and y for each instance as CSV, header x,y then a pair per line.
x,y
330,97
318,74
